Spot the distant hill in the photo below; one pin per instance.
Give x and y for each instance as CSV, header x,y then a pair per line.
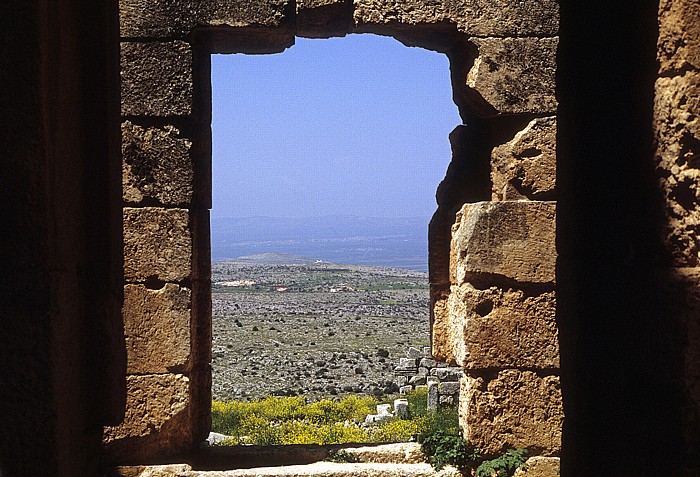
x,y
273,258
384,241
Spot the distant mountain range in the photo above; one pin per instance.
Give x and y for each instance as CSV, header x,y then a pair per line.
x,y
385,241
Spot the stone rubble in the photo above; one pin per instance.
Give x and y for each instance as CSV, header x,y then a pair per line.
x,y
419,368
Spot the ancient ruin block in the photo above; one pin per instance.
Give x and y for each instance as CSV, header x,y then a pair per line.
x,y
156,79
323,18
478,18
157,328
497,328
157,244
516,409
504,242
525,167
513,75
157,418
145,18
156,165
539,467
168,470
677,127
440,328
679,35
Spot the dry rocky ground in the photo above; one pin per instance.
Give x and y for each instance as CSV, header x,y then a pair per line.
x,y
290,326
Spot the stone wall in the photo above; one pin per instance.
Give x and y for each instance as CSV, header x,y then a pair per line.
x,y
677,168
494,300
626,272
419,369
493,306
625,306
62,344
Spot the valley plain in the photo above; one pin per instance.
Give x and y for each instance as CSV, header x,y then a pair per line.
x,y
287,325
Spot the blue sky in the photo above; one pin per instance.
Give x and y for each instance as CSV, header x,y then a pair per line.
x,y
345,126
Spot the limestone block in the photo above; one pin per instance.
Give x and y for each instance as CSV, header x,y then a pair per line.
x,y
428,363
504,242
449,387
156,79
156,165
176,19
157,244
170,470
433,395
157,420
679,35
497,328
516,409
512,76
539,467
413,353
447,400
677,130
408,363
439,329
323,18
157,328
525,167
453,373
478,18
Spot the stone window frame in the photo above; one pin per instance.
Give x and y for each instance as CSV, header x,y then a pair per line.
x,y
166,108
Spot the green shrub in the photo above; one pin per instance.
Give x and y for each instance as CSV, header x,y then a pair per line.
x,y
446,448
503,466
341,456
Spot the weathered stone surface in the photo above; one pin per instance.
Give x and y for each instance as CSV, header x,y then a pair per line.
x,y
506,241
403,452
156,79
525,167
539,467
175,19
442,348
157,244
172,470
497,328
157,328
157,420
513,75
323,18
677,129
516,409
449,387
156,165
679,35
333,469
477,18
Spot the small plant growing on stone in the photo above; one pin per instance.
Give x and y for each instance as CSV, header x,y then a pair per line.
x,y
341,456
445,448
503,466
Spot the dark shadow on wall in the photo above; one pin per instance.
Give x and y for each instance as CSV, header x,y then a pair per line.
x,y
621,343
61,339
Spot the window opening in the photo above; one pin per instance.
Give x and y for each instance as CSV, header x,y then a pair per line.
x,y
326,159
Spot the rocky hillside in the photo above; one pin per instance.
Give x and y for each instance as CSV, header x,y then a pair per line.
x,y
286,326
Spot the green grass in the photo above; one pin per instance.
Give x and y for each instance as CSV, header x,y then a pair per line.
x,y
291,420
